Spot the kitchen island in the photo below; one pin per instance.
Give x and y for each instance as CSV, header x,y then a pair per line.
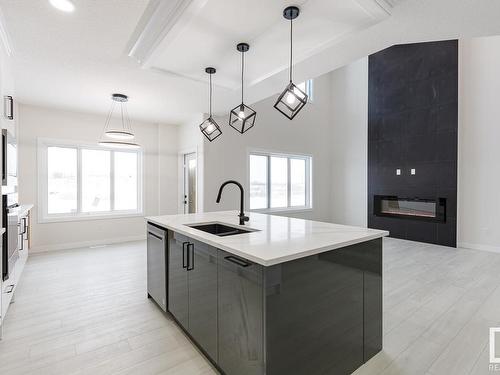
x,y
276,296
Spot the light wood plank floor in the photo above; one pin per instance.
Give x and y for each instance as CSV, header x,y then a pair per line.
x,y
85,311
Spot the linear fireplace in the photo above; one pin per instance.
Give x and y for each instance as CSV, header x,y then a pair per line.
x,y
410,208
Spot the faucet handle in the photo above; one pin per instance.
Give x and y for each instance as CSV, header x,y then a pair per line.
x,y
243,218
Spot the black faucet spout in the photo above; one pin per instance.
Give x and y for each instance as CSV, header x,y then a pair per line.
x,y
241,215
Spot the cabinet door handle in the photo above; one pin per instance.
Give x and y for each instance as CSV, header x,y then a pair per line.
x,y
25,225
184,255
190,247
238,261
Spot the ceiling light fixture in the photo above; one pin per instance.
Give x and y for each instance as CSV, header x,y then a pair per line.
x,y
209,127
120,136
292,99
63,5
242,117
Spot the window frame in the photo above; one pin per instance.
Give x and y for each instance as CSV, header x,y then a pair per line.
x,y
309,89
42,173
309,181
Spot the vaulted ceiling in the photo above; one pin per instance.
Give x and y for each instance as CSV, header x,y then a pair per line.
x,y
156,51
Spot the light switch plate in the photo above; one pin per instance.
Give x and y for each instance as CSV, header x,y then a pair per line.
x,y
398,172
413,171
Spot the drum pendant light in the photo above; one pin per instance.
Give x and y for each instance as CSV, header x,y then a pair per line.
x,y
292,99
122,135
242,117
210,128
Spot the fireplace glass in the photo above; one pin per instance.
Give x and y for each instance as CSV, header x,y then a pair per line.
x,y
410,208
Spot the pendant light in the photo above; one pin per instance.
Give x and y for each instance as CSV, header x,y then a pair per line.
x,y
209,127
292,99
121,136
242,117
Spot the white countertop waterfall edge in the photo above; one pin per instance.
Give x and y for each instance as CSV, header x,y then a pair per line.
x,y
278,239
23,209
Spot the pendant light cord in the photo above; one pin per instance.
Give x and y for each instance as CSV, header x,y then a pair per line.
x,y
121,112
108,118
242,70
291,48
210,96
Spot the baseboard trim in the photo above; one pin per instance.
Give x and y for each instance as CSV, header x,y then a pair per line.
x,y
75,245
473,246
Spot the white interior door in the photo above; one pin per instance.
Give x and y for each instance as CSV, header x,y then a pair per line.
x,y
190,189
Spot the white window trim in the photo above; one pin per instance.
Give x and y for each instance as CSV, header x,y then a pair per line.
x,y
309,186
310,89
42,173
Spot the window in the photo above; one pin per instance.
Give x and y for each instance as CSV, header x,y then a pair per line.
x,y
86,181
307,87
279,181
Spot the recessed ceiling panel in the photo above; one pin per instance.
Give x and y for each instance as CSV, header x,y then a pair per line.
x,y
210,36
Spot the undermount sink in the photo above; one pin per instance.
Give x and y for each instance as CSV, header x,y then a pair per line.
x,y
219,229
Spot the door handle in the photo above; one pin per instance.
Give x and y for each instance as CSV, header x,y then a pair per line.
x,y
184,255
190,247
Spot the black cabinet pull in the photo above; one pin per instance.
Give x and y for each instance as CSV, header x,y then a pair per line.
x,y
190,257
25,225
184,255
238,261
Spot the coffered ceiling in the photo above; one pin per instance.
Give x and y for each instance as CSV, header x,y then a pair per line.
x,y
207,32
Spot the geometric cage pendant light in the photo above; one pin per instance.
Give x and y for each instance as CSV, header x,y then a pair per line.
x,y
242,117
292,99
210,129
120,136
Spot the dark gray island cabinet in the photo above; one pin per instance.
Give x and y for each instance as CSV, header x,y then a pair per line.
x,y
319,314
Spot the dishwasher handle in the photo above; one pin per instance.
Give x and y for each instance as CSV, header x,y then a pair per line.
x,y
155,235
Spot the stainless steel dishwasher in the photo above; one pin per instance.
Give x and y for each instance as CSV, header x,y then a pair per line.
x,y
157,265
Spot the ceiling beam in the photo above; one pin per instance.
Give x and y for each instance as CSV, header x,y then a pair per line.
x,y
157,21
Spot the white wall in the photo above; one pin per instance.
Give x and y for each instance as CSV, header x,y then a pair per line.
x,y
308,133
349,144
189,140
167,169
37,122
479,141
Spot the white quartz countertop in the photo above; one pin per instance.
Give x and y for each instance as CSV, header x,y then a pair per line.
x,y
276,239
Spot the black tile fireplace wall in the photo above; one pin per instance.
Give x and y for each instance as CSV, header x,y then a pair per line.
x,y
413,124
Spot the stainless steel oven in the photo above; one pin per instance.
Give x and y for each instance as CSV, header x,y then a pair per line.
x,y
10,244
10,217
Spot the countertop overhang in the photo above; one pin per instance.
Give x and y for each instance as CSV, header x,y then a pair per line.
x,y
276,239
